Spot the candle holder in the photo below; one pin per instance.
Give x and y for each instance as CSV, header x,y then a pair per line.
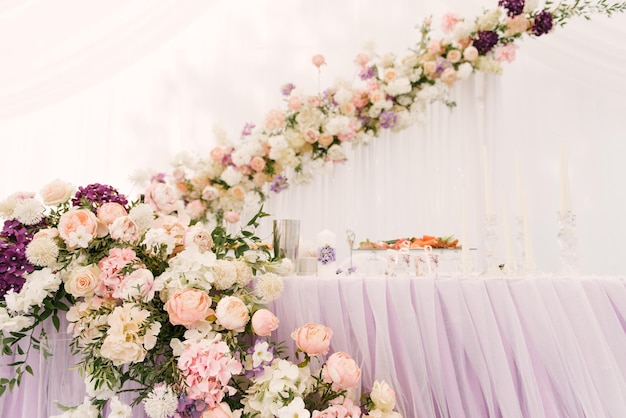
x,y
526,263
491,245
568,243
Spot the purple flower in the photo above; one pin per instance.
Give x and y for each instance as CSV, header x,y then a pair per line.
x,y
388,119
366,73
543,23
13,262
287,89
94,195
485,41
247,129
326,254
513,7
158,178
279,184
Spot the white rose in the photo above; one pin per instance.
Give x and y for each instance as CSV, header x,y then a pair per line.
x,y
120,351
232,313
137,285
83,281
56,192
490,19
231,176
383,396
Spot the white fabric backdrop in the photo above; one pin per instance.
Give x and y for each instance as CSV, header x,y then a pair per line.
x,y
93,92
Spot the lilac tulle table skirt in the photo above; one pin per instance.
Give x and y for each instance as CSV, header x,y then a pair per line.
x,y
476,348
450,347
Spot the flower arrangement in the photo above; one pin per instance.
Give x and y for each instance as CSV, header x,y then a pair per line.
x,y
162,306
310,132
326,254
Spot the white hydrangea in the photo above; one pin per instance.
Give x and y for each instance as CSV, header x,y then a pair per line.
x,y
231,176
464,70
104,392
337,124
38,285
398,86
490,19
84,410
155,237
462,30
488,65
15,323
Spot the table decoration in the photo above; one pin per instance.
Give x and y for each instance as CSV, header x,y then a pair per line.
x,y
326,253
286,239
350,236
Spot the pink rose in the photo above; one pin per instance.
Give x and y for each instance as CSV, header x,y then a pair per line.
x,y
232,216
110,211
311,135
210,193
274,120
56,192
434,46
257,163
454,55
232,313
195,209
137,285
125,229
78,221
178,174
505,53
187,307
362,59
264,322
314,101
198,236
430,67
162,197
448,76
313,338
295,103
342,371
217,154
318,60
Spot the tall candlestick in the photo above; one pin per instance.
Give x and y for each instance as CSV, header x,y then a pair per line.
x,y
520,189
487,182
566,199
529,260
465,260
508,242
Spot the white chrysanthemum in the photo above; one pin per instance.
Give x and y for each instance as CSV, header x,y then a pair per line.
x,y
161,402
6,207
269,286
231,176
225,274
244,273
29,211
42,252
143,216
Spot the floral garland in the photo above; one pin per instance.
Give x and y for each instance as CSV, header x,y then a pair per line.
x,y
308,136
155,290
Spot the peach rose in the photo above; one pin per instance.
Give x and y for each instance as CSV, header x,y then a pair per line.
x,y
232,313
314,101
264,322
448,76
199,237
217,154
238,192
56,192
325,140
295,102
257,163
274,120
383,396
78,221
362,59
46,233
162,197
195,209
110,211
83,281
187,307
342,371
221,410
313,338
454,55
318,60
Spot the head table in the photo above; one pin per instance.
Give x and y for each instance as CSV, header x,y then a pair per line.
x,y
476,347
451,347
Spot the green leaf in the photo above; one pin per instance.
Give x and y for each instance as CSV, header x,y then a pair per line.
x,y
56,322
29,370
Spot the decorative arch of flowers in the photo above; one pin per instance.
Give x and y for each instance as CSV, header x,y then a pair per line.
x,y
308,135
162,301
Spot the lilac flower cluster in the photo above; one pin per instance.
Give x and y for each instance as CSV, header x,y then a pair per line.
x,y
279,184
96,194
388,119
367,72
13,263
543,23
247,129
513,7
287,89
190,408
485,40
326,254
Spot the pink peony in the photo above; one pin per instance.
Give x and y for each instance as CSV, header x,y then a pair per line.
x,y
264,322
449,21
232,313
313,338
505,53
188,307
342,371
318,60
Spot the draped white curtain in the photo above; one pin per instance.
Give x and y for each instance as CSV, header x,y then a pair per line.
x,y
94,92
